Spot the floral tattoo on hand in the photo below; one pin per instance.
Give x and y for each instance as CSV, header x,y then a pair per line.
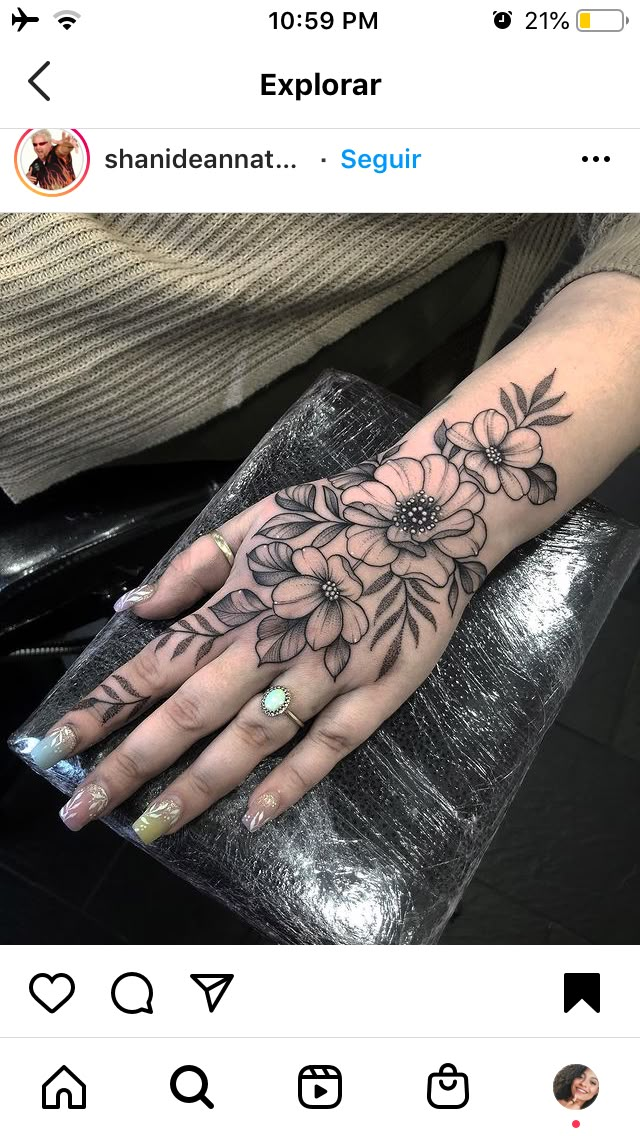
x,y
397,528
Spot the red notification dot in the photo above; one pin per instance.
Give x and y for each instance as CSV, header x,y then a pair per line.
x,y
575,1123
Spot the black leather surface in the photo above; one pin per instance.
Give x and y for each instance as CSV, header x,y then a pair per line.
x,y
90,537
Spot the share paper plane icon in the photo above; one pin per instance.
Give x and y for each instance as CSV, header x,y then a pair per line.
x,y
214,986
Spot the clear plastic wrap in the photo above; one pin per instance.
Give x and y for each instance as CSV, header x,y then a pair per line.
x,y
382,849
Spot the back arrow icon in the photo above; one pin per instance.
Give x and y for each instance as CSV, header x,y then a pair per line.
x,y
35,85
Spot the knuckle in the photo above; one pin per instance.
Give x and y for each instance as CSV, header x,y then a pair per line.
x,y
185,712
332,737
146,669
300,782
127,766
201,782
253,733
97,711
188,567
181,574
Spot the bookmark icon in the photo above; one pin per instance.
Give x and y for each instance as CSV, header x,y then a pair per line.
x,y
581,987
214,986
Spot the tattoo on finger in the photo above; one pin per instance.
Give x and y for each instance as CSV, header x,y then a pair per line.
x,y
110,699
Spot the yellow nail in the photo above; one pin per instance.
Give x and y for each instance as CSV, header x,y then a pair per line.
x,y
157,820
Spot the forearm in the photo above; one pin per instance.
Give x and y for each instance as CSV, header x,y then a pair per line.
x,y
588,338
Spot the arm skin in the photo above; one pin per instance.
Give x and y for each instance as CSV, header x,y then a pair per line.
x,y
589,335
346,591
66,144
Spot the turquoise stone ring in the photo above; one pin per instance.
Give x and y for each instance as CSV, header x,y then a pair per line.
x,y
276,701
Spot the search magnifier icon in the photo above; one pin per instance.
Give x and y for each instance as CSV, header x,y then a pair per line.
x,y
200,1094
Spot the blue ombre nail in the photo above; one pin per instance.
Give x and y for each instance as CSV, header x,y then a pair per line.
x,y
56,746
23,744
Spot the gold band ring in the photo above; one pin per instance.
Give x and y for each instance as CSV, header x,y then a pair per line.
x,y
276,701
223,546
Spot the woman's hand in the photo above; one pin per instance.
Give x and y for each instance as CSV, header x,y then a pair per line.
x,y
344,592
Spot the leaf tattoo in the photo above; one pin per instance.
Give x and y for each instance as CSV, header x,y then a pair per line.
x,y
115,701
298,499
233,610
237,608
271,563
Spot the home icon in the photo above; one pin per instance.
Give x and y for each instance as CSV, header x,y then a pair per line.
x,y
64,1083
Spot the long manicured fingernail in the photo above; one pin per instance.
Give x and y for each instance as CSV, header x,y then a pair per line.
x,y
135,596
24,744
50,750
157,820
262,810
87,803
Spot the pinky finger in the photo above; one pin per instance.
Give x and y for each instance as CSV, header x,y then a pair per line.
x,y
346,722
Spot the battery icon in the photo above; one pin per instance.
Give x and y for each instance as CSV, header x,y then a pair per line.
x,y
601,20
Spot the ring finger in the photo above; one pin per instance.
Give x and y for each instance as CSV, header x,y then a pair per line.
x,y
292,700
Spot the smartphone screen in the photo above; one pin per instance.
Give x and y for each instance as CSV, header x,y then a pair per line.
x,y
319,546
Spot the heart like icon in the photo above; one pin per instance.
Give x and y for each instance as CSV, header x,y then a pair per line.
x,y
49,998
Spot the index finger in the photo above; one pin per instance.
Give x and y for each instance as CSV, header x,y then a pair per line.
x,y
157,670
199,570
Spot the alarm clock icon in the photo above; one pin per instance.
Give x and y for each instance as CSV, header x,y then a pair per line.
x,y
502,19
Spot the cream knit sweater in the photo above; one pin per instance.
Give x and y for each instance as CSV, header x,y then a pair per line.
x,y
121,331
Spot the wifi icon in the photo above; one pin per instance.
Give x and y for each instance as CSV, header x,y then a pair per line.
x,y
67,18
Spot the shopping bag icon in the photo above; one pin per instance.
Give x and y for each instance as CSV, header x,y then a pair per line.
x,y
448,1088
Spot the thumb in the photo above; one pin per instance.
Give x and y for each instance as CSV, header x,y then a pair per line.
x,y
201,569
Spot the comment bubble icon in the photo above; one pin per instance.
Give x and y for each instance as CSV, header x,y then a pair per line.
x,y
132,993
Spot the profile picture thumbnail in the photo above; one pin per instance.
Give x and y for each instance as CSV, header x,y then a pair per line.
x,y
576,1086
52,160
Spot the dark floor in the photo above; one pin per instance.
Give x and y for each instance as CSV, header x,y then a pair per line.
x,y
564,867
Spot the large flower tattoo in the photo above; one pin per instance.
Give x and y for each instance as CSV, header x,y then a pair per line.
x,y
323,592
403,522
498,455
417,517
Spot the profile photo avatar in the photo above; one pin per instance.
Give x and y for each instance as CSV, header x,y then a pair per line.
x,y
52,161
575,1086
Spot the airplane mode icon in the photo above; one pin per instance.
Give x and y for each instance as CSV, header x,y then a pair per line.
x,y
22,19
